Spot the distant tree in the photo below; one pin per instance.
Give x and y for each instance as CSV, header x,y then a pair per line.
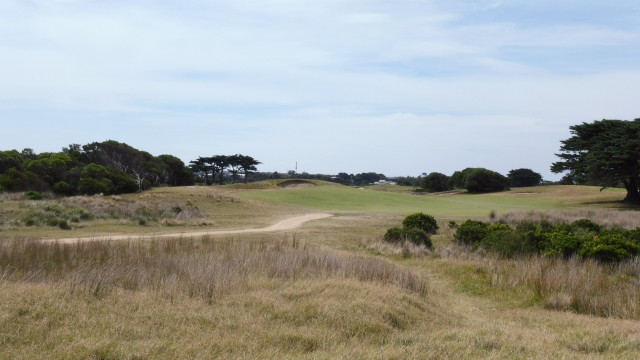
x,y
10,159
247,165
202,168
605,152
175,173
96,179
435,182
50,167
368,178
344,178
124,158
458,179
483,180
407,180
275,175
220,164
524,178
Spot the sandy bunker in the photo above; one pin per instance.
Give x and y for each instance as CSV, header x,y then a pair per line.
x,y
295,184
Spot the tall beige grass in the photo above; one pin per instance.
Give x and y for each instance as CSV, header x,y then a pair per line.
x,y
583,286
580,285
628,219
196,267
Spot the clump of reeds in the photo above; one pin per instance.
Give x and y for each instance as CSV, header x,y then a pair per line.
x,y
194,267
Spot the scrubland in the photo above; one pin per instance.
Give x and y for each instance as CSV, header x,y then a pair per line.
x,y
331,289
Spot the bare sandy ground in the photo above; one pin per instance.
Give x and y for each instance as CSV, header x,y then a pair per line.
x,y
286,224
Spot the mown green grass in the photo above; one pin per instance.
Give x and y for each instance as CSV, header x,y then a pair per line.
x,y
342,198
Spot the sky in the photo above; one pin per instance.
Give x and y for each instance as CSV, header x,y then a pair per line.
x,y
400,87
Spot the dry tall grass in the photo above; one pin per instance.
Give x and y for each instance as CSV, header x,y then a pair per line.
x,y
584,286
628,219
202,268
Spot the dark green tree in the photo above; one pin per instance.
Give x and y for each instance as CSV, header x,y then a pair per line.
x,y
247,165
604,152
175,173
524,178
435,182
483,180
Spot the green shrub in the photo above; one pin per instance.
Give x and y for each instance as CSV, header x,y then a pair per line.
x,y
491,228
64,225
91,186
424,222
394,234
609,248
560,243
63,188
34,195
586,224
471,232
417,236
509,243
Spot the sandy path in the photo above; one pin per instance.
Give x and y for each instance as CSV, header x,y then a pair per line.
x,y
286,224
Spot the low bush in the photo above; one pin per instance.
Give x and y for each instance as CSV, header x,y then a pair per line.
x,y
586,224
34,195
424,222
418,237
416,228
413,235
471,232
609,248
582,238
394,234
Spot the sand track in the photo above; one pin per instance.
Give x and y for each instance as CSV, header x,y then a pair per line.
x,y
286,224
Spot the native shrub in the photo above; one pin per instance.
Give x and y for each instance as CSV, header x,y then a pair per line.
x,y
471,232
424,222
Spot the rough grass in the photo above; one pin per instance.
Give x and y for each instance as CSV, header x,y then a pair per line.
x,y
202,298
582,286
475,307
628,219
196,267
193,208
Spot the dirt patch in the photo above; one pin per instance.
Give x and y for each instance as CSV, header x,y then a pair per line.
x,y
295,184
286,224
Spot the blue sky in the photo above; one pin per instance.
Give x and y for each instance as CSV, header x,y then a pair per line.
x,y
399,87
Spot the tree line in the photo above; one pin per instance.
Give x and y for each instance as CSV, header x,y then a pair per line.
x,y
110,167
212,169
480,180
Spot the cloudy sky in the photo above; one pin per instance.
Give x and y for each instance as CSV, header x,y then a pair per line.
x,y
396,86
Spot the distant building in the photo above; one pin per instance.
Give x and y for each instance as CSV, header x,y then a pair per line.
x,y
384,182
